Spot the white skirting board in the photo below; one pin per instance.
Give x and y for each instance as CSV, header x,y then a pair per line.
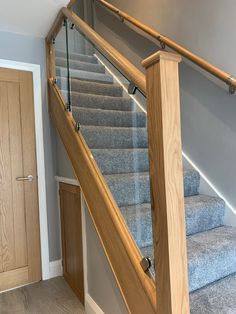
x,y
91,306
55,269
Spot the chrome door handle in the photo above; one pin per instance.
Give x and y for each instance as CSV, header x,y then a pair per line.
x,y
28,178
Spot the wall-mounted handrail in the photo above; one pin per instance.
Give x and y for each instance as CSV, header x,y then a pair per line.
x,y
220,74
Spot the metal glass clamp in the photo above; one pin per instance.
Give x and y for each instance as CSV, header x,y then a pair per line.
x,y
146,263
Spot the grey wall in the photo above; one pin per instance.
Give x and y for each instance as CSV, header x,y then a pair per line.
x,y
208,112
32,50
102,286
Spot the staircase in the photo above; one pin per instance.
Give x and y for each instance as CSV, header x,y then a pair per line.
x,y
114,128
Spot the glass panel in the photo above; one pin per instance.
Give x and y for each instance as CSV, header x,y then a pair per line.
x,y
62,63
113,123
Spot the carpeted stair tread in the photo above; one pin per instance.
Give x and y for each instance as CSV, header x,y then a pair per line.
x,y
129,189
102,102
85,76
211,256
114,137
77,57
202,213
216,298
84,86
80,65
122,160
101,117
133,188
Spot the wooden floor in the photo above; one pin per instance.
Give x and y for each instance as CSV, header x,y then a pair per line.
x,y
53,296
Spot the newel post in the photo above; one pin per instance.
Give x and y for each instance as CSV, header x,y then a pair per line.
x,y
165,155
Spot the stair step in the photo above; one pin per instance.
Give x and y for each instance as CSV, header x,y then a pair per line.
x,y
102,102
114,137
202,213
129,189
84,75
100,117
77,57
211,256
133,188
122,160
216,298
80,65
96,88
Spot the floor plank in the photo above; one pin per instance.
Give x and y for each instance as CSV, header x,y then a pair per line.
x,y
53,296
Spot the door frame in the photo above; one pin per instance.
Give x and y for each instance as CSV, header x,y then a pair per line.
x,y
38,122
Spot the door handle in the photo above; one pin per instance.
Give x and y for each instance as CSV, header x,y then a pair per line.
x,y
28,178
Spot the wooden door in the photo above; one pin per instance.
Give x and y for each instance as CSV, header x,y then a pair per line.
x,y
72,249
19,221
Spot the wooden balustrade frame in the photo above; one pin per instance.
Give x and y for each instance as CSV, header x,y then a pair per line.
x,y
137,288
166,174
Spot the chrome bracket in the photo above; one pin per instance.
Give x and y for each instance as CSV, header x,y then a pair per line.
x,y
163,45
68,107
122,19
132,88
229,82
64,21
77,127
146,263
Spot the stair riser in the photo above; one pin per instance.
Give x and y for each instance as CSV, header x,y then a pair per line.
x,y
134,189
77,57
200,220
85,76
106,118
77,65
101,102
216,259
121,161
115,137
80,86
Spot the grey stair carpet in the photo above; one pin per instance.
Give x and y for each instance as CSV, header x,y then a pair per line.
x,y
114,128
84,75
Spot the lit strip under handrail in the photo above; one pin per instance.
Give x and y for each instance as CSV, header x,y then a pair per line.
x,y
165,41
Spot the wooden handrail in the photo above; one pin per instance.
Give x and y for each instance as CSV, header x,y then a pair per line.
x,y
126,67
220,74
137,288
123,64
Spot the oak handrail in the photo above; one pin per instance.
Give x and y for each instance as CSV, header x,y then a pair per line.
x,y
137,288
123,64
220,74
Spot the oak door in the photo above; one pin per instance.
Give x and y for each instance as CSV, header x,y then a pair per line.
x,y
72,249
19,213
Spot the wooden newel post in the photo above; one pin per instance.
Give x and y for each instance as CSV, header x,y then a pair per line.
x,y
165,155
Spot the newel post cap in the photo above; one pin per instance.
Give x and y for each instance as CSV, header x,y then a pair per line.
x,y
161,55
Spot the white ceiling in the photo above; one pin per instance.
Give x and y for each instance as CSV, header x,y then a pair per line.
x,y
29,17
